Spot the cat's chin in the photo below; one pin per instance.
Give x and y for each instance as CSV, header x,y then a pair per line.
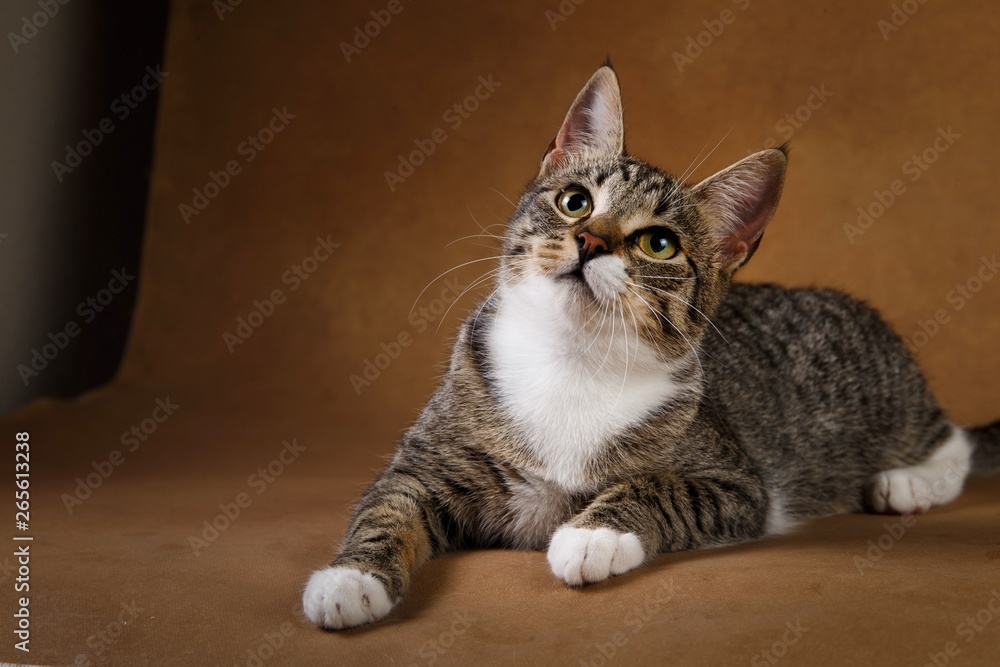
x,y
602,279
579,296
573,280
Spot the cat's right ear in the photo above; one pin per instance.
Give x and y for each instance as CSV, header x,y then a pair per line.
x,y
593,128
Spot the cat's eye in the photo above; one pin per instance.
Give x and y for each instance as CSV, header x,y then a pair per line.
x,y
574,202
658,243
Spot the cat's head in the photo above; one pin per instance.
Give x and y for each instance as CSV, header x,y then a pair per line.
x,y
600,234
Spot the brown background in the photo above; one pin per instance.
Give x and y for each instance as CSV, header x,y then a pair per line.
x,y
323,175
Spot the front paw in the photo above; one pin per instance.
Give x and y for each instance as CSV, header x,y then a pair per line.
x,y
339,597
579,555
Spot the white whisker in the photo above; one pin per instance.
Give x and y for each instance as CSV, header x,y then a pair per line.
x,y
611,342
686,303
666,319
486,302
474,236
692,171
504,196
489,275
643,275
455,268
626,369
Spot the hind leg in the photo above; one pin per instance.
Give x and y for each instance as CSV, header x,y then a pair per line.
x,y
915,489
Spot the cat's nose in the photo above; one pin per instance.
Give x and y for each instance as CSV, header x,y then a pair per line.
x,y
590,246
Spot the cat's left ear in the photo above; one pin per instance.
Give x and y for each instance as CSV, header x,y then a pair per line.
x,y
741,200
594,127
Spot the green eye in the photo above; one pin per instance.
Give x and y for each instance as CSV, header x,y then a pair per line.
x,y
658,243
574,202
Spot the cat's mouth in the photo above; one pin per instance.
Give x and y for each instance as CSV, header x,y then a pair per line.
x,y
575,278
603,279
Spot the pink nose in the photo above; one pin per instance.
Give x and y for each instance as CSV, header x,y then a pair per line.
x,y
591,244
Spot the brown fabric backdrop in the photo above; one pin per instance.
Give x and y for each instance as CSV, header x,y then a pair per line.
x,y
117,581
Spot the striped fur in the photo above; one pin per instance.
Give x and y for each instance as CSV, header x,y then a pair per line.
x,y
610,408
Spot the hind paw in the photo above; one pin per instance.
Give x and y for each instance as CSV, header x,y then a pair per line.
x,y
900,491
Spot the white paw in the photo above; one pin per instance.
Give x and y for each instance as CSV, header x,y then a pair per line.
x,y
339,597
579,555
917,488
901,491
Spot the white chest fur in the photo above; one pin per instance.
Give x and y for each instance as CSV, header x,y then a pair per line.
x,y
571,392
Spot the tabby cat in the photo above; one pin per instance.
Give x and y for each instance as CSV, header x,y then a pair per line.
x,y
618,396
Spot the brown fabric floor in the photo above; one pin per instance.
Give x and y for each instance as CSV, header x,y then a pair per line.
x,y
119,580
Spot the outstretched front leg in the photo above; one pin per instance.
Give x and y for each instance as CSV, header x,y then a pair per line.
x,y
637,518
394,531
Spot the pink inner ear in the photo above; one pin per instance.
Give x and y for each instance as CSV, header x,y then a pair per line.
x,y
577,131
754,213
751,249
594,122
744,197
582,124
552,147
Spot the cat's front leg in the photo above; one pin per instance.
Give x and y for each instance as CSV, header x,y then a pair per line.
x,y
637,518
394,531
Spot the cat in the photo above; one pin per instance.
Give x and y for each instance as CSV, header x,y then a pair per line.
x,y
617,396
